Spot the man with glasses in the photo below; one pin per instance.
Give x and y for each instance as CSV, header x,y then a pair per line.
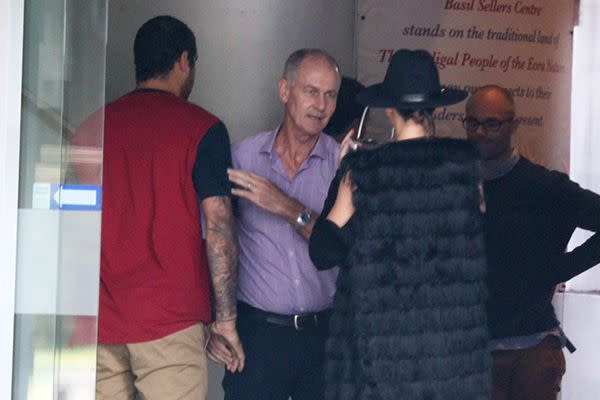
x,y
531,215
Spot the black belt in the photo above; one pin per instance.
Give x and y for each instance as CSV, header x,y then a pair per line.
x,y
570,346
297,321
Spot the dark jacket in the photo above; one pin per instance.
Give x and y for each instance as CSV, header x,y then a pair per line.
x,y
409,317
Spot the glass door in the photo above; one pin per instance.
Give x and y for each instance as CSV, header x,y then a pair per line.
x,y
59,200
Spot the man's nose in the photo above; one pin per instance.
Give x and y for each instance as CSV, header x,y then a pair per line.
x,y
321,103
480,131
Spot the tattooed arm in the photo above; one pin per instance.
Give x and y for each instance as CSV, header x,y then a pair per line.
x,y
222,251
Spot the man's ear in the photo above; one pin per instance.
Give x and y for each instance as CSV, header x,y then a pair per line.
x,y
514,124
183,62
284,90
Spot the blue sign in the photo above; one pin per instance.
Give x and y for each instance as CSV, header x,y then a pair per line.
x,y
76,197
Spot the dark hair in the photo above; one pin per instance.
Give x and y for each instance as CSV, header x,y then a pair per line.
x,y
347,109
296,58
423,117
158,44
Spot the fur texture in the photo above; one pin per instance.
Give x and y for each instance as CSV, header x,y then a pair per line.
x,y
410,319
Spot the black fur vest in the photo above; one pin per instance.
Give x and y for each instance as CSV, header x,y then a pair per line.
x,y
409,317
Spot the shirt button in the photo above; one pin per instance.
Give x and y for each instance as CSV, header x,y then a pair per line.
x,y
291,253
301,309
297,282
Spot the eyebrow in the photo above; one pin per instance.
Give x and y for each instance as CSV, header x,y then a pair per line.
x,y
309,86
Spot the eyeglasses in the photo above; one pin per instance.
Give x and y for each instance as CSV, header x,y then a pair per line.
x,y
489,125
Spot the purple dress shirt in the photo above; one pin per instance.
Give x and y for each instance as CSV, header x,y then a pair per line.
x,y
275,273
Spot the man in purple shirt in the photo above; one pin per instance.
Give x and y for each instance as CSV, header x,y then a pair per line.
x,y
282,177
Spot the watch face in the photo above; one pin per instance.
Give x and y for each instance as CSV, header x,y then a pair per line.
x,y
303,218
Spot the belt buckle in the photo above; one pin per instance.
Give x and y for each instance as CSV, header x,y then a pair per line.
x,y
296,326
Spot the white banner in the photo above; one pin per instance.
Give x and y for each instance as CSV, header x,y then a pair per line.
x,y
525,46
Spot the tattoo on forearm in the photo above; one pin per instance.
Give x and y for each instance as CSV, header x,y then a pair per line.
x,y
222,251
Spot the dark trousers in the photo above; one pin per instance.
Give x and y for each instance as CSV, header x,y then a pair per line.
x,y
281,362
528,374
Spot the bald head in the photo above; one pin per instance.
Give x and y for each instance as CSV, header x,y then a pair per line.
x,y
490,123
493,96
293,62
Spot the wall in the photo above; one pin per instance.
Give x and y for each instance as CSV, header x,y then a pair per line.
x,y
472,49
242,46
580,319
585,141
581,304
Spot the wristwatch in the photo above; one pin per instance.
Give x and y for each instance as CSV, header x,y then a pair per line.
x,y
302,219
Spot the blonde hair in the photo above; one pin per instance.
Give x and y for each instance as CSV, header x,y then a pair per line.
x,y
421,117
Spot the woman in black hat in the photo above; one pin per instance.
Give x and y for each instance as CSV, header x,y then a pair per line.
x,y
403,221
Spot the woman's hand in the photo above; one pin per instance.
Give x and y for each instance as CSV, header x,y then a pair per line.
x,y
343,208
347,144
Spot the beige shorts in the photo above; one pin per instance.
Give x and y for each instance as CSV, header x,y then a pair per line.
x,y
172,367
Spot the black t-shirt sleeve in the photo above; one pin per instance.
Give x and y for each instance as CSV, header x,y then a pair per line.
x,y
213,157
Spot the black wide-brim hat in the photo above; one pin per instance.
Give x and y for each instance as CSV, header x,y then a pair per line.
x,y
411,81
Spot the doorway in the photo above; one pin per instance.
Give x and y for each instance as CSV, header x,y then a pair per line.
x,y
58,217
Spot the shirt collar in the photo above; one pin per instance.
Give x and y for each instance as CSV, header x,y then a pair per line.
x,y
267,146
319,150
494,169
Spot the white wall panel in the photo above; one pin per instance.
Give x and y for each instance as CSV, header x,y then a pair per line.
x,y
242,46
581,323
585,122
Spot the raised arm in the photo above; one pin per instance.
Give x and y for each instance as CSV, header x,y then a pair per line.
x,y
326,247
584,211
265,194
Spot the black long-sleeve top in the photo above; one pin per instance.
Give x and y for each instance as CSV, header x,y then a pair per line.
x,y
531,214
328,245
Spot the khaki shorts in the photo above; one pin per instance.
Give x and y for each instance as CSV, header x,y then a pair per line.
x,y
172,367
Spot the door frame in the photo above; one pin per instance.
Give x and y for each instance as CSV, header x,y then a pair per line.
x,y
11,62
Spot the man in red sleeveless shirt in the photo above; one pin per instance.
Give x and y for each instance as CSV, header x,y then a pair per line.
x,y
165,160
